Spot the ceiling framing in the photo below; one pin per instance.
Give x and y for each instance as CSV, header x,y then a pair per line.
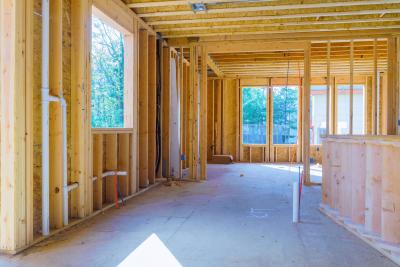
x,y
278,20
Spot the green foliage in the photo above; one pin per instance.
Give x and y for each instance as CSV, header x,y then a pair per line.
x,y
254,115
285,115
254,105
107,76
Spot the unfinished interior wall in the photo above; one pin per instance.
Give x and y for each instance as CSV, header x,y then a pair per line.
x,y
225,118
360,188
93,168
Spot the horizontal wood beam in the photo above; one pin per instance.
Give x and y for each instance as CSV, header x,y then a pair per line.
x,y
299,14
139,4
253,26
254,46
279,31
257,8
214,67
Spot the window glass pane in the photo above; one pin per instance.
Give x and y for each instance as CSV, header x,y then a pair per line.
x,y
343,109
317,113
107,76
285,115
358,108
254,121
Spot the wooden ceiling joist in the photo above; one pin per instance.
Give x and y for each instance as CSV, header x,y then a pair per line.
x,y
213,66
139,4
253,7
297,14
288,30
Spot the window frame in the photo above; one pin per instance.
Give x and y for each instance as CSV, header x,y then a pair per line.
x,y
266,117
272,113
129,62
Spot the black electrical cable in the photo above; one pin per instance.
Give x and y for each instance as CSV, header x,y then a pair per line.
x,y
158,111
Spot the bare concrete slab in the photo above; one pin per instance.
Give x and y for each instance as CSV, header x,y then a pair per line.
x,y
240,217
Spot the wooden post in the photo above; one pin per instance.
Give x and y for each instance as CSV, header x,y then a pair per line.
x,y
238,135
334,105
152,91
306,113
98,171
328,86
203,114
123,162
16,229
80,107
111,162
193,114
392,88
351,87
143,108
374,91
134,137
299,124
368,107
55,116
165,110
218,117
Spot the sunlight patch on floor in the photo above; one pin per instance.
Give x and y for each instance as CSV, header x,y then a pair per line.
x,y
152,252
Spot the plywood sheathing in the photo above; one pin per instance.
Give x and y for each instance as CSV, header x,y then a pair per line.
x,y
360,187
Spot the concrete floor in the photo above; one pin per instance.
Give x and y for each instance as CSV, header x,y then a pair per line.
x,y
240,217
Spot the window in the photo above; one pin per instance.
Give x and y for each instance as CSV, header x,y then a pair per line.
x,y
285,106
317,113
107,76
254,120
344,109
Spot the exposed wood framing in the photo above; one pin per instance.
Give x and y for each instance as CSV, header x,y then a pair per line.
x,y
351,87
16,107
98,151
214,67
165,107
375,89
306,114
152,94
80,107
143,108
392,88
203,114
328,87
55,121
193,155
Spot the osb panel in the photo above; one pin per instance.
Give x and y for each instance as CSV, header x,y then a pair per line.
x,y
257,154
229,117
37,177
282,154
246,154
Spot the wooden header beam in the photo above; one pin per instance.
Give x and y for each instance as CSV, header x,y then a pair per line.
x,y
254,46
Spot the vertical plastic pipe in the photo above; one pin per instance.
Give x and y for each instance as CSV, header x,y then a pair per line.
x,y
296,202
64,156
45,117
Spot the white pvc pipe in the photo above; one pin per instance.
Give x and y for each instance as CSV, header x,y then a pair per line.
x,y
64,159
46,99
45,117
113,173
70,188
296,202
